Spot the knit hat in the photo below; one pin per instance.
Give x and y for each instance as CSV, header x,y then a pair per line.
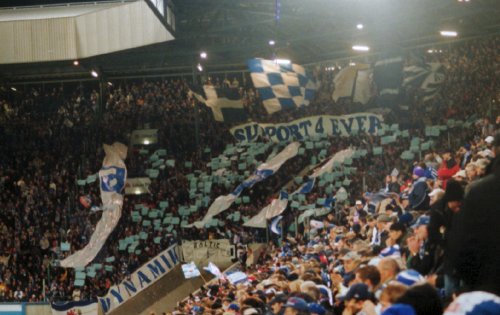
x,y
418,171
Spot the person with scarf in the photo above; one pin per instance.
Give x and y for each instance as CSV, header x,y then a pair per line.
x,y
418,196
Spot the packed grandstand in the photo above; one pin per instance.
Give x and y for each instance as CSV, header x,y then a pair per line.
x,y
403,224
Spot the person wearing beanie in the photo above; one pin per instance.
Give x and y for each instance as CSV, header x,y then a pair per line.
x,y
418,196
478,259
444,214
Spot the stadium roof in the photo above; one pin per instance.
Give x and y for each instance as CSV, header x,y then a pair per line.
x,y
231,31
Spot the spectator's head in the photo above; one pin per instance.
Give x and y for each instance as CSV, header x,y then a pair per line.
x,y
418,172
388,268
399,309
420,227
368,275
397,232
454,195
351,261
358,293
296,306
424,299
391,293
277,303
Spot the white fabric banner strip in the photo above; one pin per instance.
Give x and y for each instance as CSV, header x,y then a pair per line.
x,y
263,171
112,177
74,307
339,158
259,220
277,206
139,280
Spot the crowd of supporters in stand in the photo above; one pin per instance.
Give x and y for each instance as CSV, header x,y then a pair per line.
x,y
52,136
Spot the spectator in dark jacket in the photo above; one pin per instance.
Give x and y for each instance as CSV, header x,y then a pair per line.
x,y
419,198
478,262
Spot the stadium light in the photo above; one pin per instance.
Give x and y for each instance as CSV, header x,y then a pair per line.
x,y
449,33
199,67
352,63
282,61
110,84
360,48
76,63
272,42
146,142
203,55
94,74
13,89
359,26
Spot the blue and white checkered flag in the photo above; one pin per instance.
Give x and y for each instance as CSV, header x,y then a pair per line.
x,y
281,86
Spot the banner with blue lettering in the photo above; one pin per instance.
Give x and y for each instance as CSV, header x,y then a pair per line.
x,y
112,177
142,278
300,129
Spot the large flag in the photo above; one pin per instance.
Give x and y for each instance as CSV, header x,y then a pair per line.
x,y
225,103
388,76
277,206
74,308
213,269
281,86
428,79
262,172
354,82
112,177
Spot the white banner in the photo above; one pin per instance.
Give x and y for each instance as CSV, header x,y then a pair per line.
x,y
300,129
263,171
142,278
338,157
74,307
112,177
219,252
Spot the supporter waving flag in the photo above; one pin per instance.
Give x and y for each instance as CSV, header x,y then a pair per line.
x,y
281,85
225,103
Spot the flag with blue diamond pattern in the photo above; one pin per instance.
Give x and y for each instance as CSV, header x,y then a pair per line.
x,y
281,86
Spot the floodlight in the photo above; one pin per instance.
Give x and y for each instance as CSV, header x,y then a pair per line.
x,y
449,33
94,74
360,48
359,26
203,55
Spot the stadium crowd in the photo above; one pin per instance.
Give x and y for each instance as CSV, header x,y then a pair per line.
x,y
367,252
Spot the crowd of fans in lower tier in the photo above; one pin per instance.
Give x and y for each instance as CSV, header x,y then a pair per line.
x,y
381,258
51,137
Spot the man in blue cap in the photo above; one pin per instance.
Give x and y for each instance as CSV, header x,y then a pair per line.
x,y
355,298
420,257
296,306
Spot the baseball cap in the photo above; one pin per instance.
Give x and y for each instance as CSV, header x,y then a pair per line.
x,y
460,173
422,220
409,277
399,309
280,298
297,304
474,303
358,202
358,291
316,309
489,139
